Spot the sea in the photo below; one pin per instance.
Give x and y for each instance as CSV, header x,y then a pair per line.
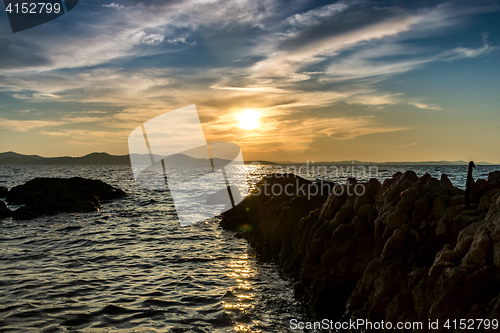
x,y
131,267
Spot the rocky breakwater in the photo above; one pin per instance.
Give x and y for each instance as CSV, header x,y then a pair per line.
x,y
406,250
49,196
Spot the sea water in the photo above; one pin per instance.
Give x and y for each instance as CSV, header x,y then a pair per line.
x,y
130,267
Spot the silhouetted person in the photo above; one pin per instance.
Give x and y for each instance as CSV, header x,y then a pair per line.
x,y
468,184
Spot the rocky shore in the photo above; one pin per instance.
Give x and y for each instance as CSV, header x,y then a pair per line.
x,y
406,250
49,196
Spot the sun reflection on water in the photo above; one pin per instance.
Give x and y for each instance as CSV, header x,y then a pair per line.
x,y
240,298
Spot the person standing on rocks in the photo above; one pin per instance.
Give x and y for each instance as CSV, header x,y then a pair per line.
x,y
468,184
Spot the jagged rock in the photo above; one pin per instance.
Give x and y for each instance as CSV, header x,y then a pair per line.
x,y
422,208
479,249
437,207
397,244
446,182
406,251
396,220
411,175
457,199
408,198
494,177
48,196
494,205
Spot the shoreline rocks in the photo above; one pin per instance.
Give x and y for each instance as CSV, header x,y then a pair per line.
x,y
4,211
49,196
404,250
3,191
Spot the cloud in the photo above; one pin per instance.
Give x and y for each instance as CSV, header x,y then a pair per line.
x,y
314,16
351,127
421,105
108,85
36,96
26,125
282,63
114,5
142,38
125,31
298,66
408,145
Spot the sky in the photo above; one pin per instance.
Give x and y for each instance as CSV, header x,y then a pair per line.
x,y
332,81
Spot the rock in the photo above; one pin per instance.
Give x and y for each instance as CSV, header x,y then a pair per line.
x,y
3,192
479,249
437,207
463,246
494,177
362,199
408,198
396,220
4,211
398,244
441,227
49,196
406,251
343,233
446,182
457,199
411,175
482,186
422,208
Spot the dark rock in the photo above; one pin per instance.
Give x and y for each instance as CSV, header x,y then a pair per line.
x,y
469,183
457,199
494,177
411,175
3,192
437,207
395,220
446,182
397,244
4,211
48,196
422,208
406,251
408,198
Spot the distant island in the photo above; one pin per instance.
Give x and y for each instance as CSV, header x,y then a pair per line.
x,y
383,163
12,158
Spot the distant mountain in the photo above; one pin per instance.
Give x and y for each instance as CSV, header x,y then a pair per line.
x,y
185,160
261,162
12,158
12,155
388,163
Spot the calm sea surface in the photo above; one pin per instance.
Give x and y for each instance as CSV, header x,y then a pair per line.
x,y
131,268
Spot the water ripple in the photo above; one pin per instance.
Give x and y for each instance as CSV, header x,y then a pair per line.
x,y
131,268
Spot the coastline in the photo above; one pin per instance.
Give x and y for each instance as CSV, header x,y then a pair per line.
x,y
406,250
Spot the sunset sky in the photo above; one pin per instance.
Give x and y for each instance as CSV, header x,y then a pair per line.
x,y
326,81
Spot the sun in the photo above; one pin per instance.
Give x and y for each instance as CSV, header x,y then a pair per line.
x,y
249,119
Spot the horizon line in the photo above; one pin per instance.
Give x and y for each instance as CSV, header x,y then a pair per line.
x,y
456,162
